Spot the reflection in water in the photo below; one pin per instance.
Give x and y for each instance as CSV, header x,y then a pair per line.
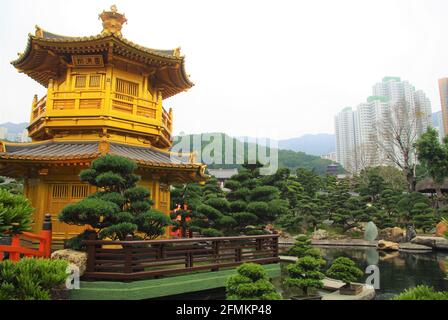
x,y
398,270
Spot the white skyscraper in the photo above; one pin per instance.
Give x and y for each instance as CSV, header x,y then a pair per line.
x,y
402,92
367,120
346,139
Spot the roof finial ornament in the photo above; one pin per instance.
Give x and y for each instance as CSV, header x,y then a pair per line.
x,y
176,52
112,21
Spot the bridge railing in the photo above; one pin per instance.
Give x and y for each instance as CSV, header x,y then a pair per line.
x,y
16,250
131,260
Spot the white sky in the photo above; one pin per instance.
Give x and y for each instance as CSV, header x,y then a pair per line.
x,y
261,68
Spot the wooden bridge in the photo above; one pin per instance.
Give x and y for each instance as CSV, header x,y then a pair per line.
x,y
135,260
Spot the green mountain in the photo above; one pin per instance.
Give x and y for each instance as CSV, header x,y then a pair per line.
x,y
286,158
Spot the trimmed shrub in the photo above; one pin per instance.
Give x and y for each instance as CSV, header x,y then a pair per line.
x,y
119,208
250,283
244,219
31,279
305,274
238,206
264,193
232,184
15,213
344,269
421,292
210,232
220,204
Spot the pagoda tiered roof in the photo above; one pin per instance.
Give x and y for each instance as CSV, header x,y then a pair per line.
x,y
46,52
79,151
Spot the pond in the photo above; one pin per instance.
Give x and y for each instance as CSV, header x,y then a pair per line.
x,y
398,270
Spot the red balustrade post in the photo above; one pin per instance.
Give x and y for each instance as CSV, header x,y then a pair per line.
x,y
15,244
45,244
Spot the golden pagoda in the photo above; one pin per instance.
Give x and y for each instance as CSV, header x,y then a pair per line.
x,y
104,96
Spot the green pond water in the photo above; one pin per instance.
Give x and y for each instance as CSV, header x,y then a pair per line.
x,y
398,270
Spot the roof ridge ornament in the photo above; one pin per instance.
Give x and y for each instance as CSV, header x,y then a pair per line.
x,y
112,21
39,32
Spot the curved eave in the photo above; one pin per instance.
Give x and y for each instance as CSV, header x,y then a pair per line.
x,y
174,81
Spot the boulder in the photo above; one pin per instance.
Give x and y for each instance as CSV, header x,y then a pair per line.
x,y
433,242
388,245
370,232
394,234
319,234
76,258
441,228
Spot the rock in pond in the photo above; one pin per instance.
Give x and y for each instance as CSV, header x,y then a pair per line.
x,y
394,234
388,245
433,242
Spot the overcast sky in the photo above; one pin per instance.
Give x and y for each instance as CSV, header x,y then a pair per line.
x,y
261,68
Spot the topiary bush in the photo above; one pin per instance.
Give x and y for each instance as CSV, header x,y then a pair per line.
x,y
302,248
250,283
15,213
421,292
305,274
31,279
344,269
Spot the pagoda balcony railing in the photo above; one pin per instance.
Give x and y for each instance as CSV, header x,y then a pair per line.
x,y
167,121
39,109
93,103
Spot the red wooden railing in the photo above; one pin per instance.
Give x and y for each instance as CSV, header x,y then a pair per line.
x,y
15,250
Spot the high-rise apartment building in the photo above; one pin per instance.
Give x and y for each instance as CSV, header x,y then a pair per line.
x,y
437,123
346,138
369,142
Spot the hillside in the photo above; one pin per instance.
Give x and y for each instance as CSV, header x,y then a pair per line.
x,y
14,128
314,144
286,158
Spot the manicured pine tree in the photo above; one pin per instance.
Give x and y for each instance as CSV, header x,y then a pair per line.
x,y
119,207
344,269
250,283
305,274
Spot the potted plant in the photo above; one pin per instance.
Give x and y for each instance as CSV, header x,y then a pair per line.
x,y
305,274
345,269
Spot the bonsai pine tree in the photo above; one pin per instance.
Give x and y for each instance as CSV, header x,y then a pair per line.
x,y
15,213
250,283
344,269
302,248
305,274
119,207
423,216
